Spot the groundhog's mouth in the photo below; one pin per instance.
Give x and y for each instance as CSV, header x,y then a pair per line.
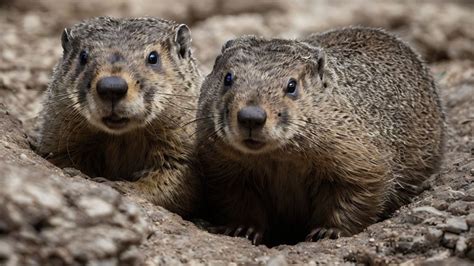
x,y
253,144
115,122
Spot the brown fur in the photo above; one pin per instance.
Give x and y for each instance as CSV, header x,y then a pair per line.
x,y
365,129
154,146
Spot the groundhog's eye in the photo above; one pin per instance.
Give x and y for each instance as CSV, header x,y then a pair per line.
x,y
228,80
153,58
83,56
291,87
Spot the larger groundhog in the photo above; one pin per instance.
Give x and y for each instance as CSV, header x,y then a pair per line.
x,y
116,105
315,138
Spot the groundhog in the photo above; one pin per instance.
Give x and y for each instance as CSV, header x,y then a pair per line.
x,y
315,138
116,105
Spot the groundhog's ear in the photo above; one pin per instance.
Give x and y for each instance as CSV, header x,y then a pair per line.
x,y
227,45
65,38
183,40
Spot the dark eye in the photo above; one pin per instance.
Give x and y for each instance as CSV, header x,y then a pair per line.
x,y
228,80
153,58
291,87
83,56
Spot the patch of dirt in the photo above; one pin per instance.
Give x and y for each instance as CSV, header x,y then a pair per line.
x,y
54,215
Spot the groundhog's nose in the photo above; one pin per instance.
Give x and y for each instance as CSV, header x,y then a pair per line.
x,y
112,88
251,117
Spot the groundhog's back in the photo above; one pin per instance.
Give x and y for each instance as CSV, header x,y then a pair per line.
x,y
389,87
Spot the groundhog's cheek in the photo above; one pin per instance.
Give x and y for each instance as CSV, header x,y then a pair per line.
x,y
135,108
133,92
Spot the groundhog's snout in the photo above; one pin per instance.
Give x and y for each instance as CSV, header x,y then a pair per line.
x,y
251,120
251,117
112,88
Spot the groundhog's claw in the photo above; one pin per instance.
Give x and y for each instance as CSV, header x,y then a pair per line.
x,y
323,233
239,231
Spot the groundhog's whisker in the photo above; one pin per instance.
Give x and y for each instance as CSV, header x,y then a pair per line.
x,y
180,106
150,128
79,126
212,136
197,119
176,95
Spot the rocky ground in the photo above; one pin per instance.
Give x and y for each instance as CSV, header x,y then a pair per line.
x,y
54,216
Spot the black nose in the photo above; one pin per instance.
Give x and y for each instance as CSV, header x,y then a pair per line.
x,y
112,88
252,117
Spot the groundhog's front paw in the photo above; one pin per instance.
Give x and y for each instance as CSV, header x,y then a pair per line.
x,y
324,233
249,232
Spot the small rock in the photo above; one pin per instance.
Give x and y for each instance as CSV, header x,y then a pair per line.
x,y
434,235
460,207
371,240
470,219
23,156
470,192
95,207
71,171
440,256
6,145
461,247
449,194
404,246
32,23
5,251
430,210
44,196
440,204
277,261
450,240
456,225
131,256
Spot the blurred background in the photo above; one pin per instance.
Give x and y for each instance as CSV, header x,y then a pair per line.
x,y
442,31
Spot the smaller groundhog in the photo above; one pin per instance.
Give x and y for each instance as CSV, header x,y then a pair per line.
x,y
315,138
116,105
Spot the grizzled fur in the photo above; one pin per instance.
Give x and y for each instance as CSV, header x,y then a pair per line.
x,y
153,146
364,129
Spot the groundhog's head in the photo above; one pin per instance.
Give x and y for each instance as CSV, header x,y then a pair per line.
x,y
260,92
120,74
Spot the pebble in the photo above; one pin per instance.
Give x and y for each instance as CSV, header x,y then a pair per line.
x,y
430,210
470,219
461,247
460,207
5,250
456,225
439,257
469,194
96,207
6,145
277,261
44,196
371,240
23,156
32,23
434,235
450,240
404,246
